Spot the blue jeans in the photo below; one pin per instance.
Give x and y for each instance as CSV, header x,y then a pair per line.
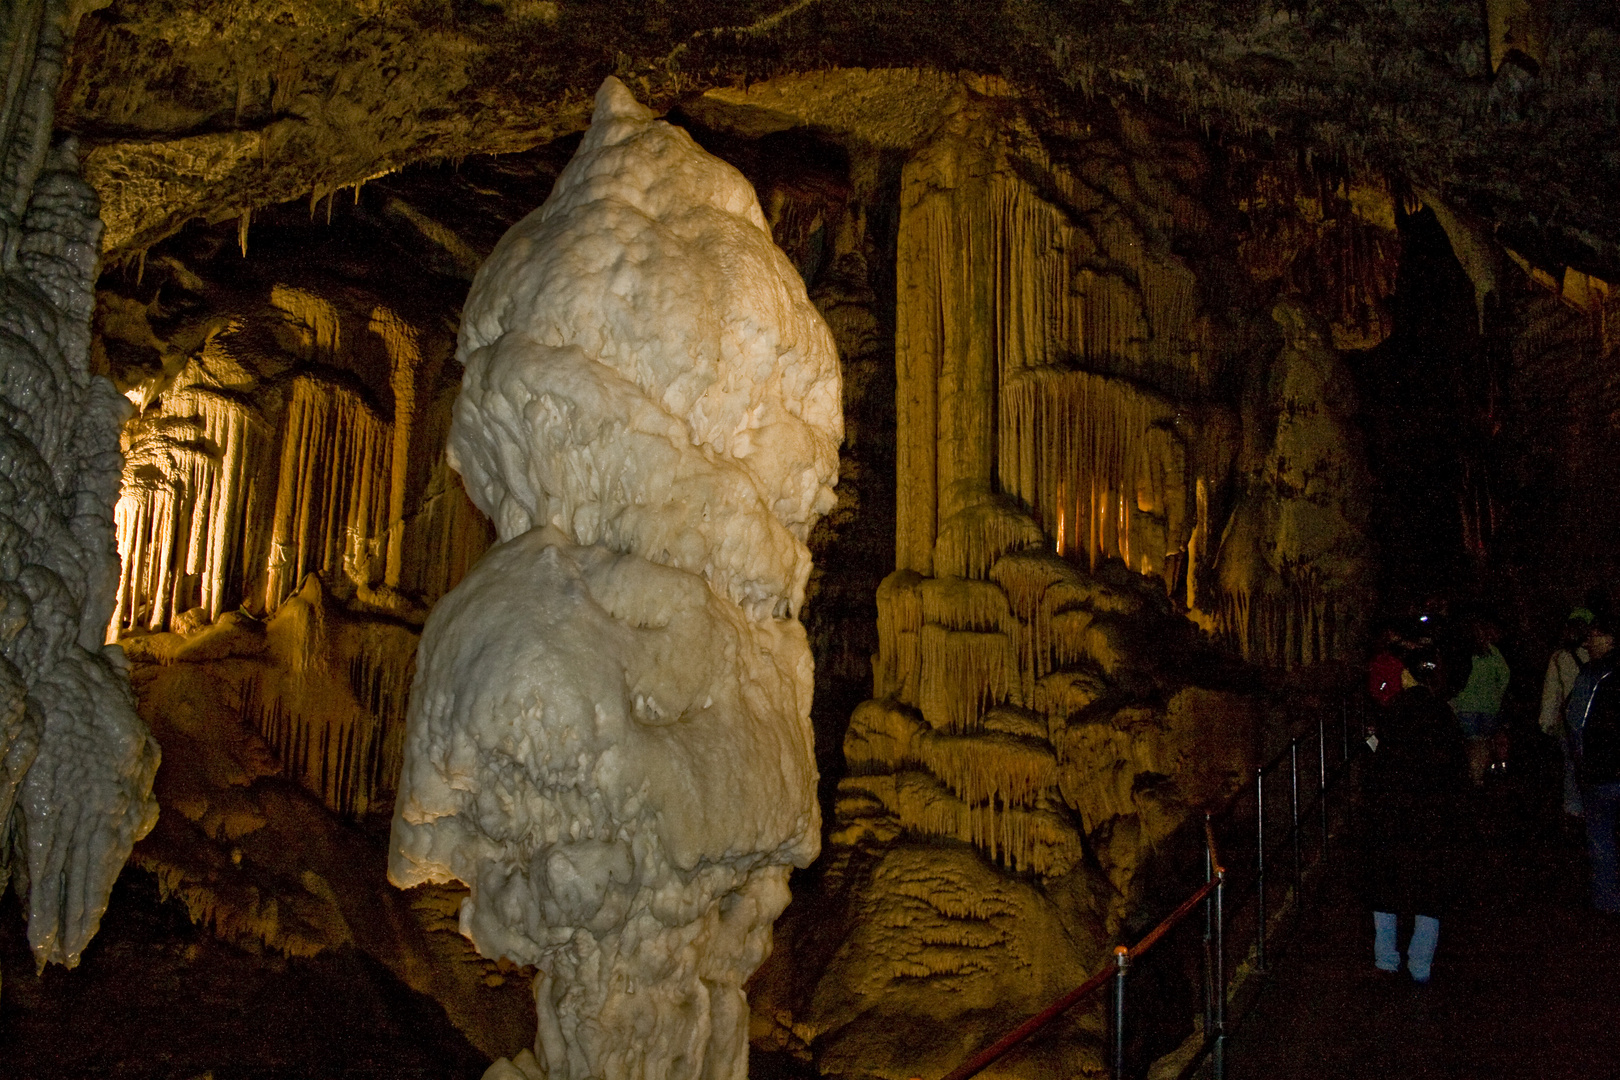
x,y
1602,803
1419,951
1572,784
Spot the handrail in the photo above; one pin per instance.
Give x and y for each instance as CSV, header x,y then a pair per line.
x,y
973,1065
1121,957
1172,920
1209,843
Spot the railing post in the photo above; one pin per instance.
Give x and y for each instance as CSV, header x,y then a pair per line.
x,y
1344,728
1293,809
1122,962
1219,1056
1321,766
1260,868
1210,986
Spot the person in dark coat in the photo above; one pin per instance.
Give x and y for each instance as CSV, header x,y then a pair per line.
x,y
1414,787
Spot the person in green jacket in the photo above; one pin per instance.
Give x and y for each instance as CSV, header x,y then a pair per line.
x,y
1479,704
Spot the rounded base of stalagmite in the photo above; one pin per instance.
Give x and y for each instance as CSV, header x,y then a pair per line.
x,y
523,1067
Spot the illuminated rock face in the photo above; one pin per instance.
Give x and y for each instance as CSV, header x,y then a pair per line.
x,y
76,763
1071,444
609,737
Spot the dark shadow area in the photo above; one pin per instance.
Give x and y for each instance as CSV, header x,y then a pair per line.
x,y
1421,399
160,999
1525,980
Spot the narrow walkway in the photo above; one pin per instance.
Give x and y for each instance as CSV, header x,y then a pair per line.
x,y
1526,981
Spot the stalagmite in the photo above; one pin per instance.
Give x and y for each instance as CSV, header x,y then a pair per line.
x,y
608,736
76,763
1294,570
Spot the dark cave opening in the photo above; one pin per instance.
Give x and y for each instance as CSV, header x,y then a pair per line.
x,y
1421,395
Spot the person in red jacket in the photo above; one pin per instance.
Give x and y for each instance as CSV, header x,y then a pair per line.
x,y
1386,671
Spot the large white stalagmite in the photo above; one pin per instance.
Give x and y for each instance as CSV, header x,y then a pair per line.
x,y
609,737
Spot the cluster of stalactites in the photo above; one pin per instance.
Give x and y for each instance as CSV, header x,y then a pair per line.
x,y
1298,623
996,789
970,679
184,515
227,503
1101,463
332,704
332,500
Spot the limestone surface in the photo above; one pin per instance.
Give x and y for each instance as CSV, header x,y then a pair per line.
x,y
608,738
76,763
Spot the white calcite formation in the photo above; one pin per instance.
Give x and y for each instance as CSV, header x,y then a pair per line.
x,y
76,763
608,738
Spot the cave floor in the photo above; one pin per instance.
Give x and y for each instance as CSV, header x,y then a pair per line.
x,y
157,998
1526,979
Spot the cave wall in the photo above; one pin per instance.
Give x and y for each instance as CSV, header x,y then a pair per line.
x,y
1097,447
1124,449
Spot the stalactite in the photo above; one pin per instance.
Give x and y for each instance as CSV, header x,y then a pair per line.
x,y
989,766
1062,694
1070,634
209,503
1329,235
899,606
444,538
241,914
1094,456
181,515
1294,623
987,528
405,359
961,674
1025,576
332,500
332,706
961,604
880,737
1036,840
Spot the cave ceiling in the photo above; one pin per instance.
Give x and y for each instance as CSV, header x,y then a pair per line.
x,y
205,109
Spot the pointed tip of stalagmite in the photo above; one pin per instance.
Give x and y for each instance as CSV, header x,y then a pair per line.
x,y
614,101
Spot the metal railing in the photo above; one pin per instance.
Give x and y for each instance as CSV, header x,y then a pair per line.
x,y
1217,992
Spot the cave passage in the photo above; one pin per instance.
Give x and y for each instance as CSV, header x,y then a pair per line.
x,y
447,524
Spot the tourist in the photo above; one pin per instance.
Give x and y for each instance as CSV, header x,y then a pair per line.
x,y
1479,704
1593,718
1414,783
1562,669
1386,671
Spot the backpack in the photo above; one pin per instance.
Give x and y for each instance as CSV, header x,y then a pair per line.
x,y
1600,735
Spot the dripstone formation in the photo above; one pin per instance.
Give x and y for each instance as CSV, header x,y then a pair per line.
x,y
76,763
609,735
